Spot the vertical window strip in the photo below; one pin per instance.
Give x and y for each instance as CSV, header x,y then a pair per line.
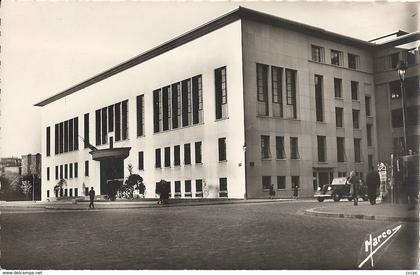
x,y
124,120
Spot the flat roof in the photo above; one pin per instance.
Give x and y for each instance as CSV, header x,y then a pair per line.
x,y
232,16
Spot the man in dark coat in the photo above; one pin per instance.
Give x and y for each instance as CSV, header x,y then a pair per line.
x,y
355,184
92,197
373,181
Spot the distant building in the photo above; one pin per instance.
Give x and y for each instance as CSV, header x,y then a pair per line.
x,y
31,165
10,167
226,110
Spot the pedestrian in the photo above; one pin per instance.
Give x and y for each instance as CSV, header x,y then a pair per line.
x,y
412,181
295,191
272,192
373,181
92,197
355,184
142,188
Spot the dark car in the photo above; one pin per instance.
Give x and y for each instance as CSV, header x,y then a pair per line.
x,y
338,189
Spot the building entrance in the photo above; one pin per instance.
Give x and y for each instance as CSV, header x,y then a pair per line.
x,y
111,169
322,177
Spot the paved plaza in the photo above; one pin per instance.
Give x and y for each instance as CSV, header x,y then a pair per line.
x,y
272,235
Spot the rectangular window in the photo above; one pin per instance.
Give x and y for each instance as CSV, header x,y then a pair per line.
x,y
357,152
367,106
197,148
86,130
294,148
124,120
157,158
413,118
141,160
397,118
223,191
66,171
317,53
56,138
76,169
175,105
140,115
262,89
98,127
71,192
394,59
76,192
354,90
61,172
266,182
177,155
48,138
117,121
295,181
222,149
61,137
336,57
187,154
220,92
395,89
277,93
291,91
353,61
71,135
76,133
186,94
66,136
165,108
412,86
338,87
156,107
281,182
104,125
111,118
370,161
197,99
280,148
48,173
338,117
65,192
340,149
48,193
71,170
167,152
177,188
356,119
187,188
56,172
199,188
265,147
369,134
86,168
322,156
318,98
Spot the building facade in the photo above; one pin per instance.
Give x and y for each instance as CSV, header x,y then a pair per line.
x,y
246,101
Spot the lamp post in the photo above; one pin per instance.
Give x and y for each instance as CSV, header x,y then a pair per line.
x,y
401,69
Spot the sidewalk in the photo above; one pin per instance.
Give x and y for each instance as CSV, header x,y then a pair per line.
x,y
380,211
130,204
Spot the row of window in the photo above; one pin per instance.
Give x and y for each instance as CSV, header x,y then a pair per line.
x,y
66,136
200,188
281,182
68,171
276,91
113,118
412,87
412,117
336,57
176,155
68,192
280,152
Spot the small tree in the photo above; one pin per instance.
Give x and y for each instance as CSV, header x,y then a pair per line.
x,y
113,187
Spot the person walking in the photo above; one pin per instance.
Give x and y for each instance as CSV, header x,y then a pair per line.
x,y
372,181
92,197
355,184
272,192
295,191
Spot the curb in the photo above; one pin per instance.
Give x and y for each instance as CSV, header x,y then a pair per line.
x,y
136,206
313,212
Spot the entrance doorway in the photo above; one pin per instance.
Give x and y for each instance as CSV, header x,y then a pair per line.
x,y
111,169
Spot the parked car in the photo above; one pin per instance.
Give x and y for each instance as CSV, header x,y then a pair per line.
x,y
338,189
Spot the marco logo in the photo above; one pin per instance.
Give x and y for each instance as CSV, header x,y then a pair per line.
x,y
374,242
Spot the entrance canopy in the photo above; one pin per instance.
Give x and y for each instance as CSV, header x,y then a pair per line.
x,y
110,153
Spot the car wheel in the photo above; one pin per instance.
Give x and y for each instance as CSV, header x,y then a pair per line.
x,y
320,199
336,197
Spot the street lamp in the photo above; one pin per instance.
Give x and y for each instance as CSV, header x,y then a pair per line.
x,y
401,69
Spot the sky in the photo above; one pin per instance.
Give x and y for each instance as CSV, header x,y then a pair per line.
x,y
49,46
